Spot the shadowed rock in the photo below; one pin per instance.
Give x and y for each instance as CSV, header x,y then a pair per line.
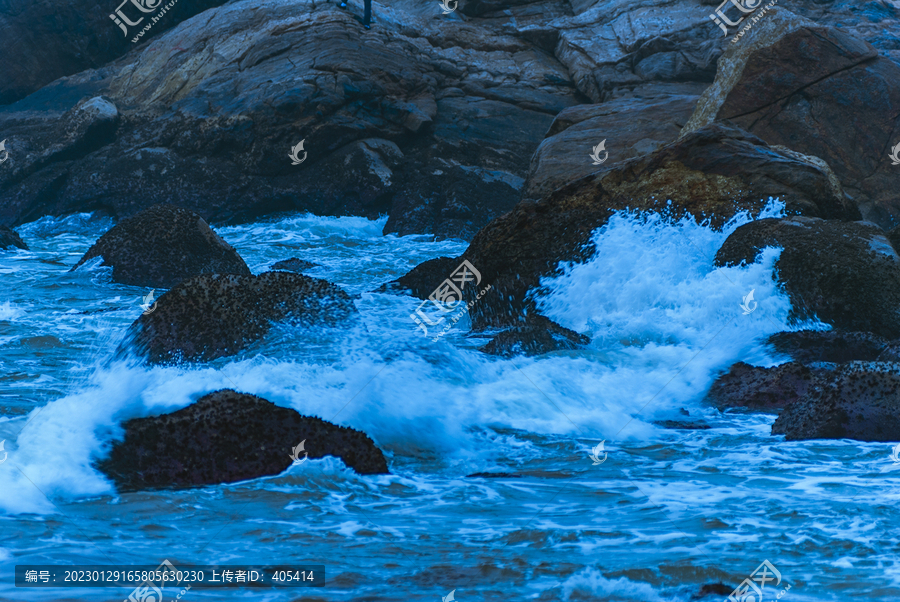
x,y
845,273
859,400
536,336
217,315
9,238
423,279
225,437
294,265
746,386
837,346
162,246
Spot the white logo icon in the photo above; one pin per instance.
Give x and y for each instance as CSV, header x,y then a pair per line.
x,y
295,453
595,454
749,591
895,455
745,305
596,154
448,295
745,6
146,304
6,153
145,6
448,598
445,6
2,443
895,154
297,160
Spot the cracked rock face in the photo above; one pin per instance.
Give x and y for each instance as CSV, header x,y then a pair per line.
x,y
226,437
162,246
218,315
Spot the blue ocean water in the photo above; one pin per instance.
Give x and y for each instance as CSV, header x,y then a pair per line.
x,y
666,512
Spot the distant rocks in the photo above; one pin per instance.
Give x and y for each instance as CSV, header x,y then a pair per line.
x,y
226,437
217,315
845,273
162,246
858,400
9,238
293,265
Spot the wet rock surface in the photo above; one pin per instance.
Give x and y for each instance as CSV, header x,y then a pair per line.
x,y
423,279
218,315
10,239
845,273
859,400
765,389
226,437
535,336
294,265
806,346
163,246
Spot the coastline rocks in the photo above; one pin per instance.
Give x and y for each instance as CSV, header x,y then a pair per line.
x,y
710,174
835,346
845,273
217,315
536,336
226,437
424,278
162,246
859,400
764,389
9,239
820,91
293,265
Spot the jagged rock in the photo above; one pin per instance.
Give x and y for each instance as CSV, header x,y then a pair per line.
x,y
711,174
217,315
837,346
162,246
820,91
845,273
535,336
225,437
293,265
859,400
423,279
746,386
9,238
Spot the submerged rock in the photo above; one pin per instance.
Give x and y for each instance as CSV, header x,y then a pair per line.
x,y
766,389
162,246
859,400
9,238
535,336
225,437
217,315
294,265
837,346
846,274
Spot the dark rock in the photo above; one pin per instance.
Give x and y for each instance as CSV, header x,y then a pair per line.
x,y
762,388
226,437
217,315
845,273
806,346
424,278
9,238
820,91
535,336
293,265
493,475
711,174
677,424
709,589
859,400
162,246
891,353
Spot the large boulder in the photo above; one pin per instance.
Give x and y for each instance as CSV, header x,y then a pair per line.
x,y
9,238
859,400
820,91
217,315
711,174
836,346
537,335
225,437
762,389
163,245
846,274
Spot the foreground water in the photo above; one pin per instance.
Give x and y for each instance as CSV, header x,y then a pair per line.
x,y
667,511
